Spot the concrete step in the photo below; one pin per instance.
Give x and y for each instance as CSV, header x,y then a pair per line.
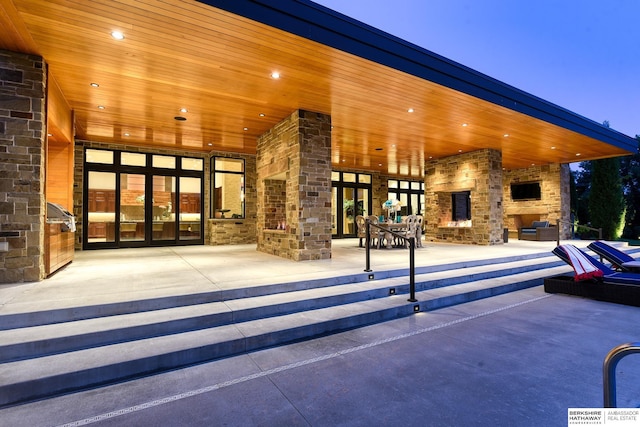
x,y
237,326
44,340
23,316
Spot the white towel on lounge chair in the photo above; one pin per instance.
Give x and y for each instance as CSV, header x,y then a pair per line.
x,y
582,266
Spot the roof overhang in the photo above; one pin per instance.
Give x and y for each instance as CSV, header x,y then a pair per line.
x,y
215,57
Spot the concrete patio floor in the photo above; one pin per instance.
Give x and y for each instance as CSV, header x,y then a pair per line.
x,y
519,359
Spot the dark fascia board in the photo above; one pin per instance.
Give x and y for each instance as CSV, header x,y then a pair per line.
x,y
323,25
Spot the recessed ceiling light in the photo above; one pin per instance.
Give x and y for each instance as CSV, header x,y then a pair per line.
x,y
459,151
379,164
49,134
578,154
94,85
245,129
553,148
210,144
127,134
464,125
410,110
275,75
101,107
184,110
261,114
180,118
118,35
506,135
344,160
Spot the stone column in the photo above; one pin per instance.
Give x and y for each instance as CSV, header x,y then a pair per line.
x,y
479,173
22,130
294,188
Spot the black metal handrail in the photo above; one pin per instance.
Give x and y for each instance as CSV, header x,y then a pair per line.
x,y
559,221
609,370
412,247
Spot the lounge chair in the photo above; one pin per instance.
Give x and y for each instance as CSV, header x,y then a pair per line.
x,y
587,267
615,256
593,279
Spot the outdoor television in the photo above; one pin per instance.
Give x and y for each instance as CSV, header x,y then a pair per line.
x,y
526,191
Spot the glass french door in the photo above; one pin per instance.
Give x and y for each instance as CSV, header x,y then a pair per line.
x,y
132,208
137,199
348,202
101,207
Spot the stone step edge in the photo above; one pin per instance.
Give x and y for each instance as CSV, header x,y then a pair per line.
x,y
13,320
48,345
37,388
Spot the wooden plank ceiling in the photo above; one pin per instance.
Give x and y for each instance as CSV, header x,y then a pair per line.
x,y
184,54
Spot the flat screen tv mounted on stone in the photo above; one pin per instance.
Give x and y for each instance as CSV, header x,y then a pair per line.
x,y
526,191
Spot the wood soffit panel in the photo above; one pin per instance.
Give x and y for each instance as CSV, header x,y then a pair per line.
x,y
184,54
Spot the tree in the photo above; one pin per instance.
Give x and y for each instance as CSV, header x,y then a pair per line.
x,y
582,191
630,173
606,202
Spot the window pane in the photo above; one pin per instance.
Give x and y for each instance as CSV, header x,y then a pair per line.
x,y
164,218
404,185
99,156
392,183
192,164
335,176
228,195
167,162
364,179
133,159
132,214
228,165
348,177
189,225
101,207
415,185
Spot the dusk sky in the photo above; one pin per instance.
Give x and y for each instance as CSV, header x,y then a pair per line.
x,y
583,55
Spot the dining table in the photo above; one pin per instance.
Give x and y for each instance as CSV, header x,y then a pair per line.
x,y
396,227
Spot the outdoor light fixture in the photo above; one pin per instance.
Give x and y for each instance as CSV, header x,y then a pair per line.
x,y
118,35
371,277
392,291
416,308
275,75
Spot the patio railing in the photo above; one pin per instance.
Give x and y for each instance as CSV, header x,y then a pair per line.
x,y
572,224
609,370
412,249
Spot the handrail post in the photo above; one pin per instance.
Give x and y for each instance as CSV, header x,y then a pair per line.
x,y
367,267
412,270
558,227
609,370
599,233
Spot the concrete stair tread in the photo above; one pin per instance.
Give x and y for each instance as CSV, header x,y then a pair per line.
x,y
220,312
155,299
154,354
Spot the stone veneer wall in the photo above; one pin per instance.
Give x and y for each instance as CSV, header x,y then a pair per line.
x,y
297,150
555,201
22,158
479,172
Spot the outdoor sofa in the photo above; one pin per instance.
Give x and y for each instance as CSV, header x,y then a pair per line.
x,y
539,231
